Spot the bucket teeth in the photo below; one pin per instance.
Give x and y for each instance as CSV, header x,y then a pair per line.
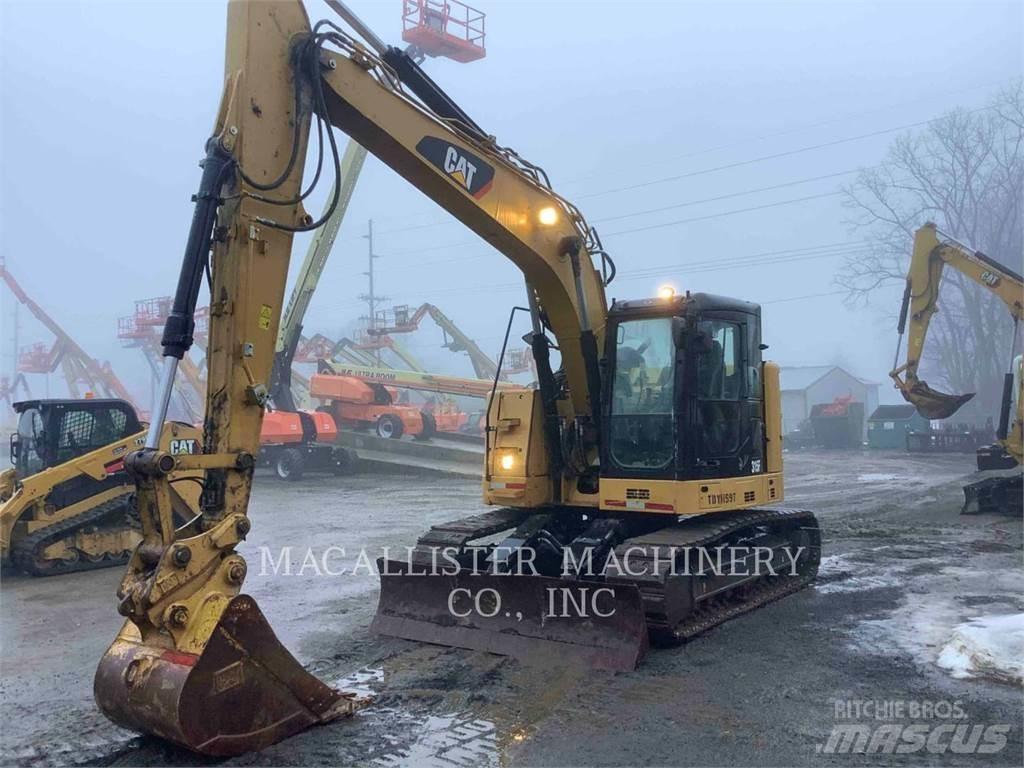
x,y
244,692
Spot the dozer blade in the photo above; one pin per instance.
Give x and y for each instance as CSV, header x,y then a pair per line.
x,y
244,692
536,619
932,404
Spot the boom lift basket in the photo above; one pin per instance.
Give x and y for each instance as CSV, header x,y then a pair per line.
x,y
444,28
37,358
152,312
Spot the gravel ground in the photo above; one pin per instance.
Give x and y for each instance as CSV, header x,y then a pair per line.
x,y
900,570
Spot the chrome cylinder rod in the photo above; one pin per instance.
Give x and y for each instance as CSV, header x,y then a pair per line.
x,y
163,401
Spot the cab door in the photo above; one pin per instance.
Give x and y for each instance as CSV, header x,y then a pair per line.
x,y
726,414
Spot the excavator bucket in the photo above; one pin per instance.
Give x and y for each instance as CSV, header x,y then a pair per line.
x,y
244,692
536,619
932,404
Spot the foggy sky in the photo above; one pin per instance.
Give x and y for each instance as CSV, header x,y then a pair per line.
x,y
106,107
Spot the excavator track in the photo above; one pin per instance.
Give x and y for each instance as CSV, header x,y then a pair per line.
x,y
994,496
655,599
668,622
26,552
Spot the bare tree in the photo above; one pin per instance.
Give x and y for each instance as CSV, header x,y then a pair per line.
x,y
965,172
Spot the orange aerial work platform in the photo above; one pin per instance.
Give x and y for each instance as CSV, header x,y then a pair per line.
x,y
153,312
444,28
37,358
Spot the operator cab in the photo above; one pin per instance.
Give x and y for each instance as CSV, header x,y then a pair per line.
x,y
51,432
683,367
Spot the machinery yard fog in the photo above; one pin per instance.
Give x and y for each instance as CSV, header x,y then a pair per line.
x,y
902,571
504,384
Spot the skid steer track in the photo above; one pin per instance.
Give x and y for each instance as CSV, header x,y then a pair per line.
x,y
27,552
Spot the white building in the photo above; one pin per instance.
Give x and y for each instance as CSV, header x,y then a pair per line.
x,y
803,387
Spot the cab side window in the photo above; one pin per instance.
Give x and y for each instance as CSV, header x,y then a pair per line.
x,y
720,384
753,361
720,364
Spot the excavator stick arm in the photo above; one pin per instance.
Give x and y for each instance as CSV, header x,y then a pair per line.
x,y
195,662
931,255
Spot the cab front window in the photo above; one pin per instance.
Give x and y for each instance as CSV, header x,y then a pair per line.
x,y
643,397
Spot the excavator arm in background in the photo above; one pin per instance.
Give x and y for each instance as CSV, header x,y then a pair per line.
x,y
931,256
454,339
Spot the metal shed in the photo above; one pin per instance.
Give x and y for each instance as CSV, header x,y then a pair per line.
x,y
889,425
804,387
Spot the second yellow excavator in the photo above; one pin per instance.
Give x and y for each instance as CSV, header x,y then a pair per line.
x,y
644,458
933,252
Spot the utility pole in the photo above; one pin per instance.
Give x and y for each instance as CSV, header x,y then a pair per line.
x,y
371,298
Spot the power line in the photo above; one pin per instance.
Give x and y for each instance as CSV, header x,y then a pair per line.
x,y
464,243
802,298
719,215
717,265
853,244
763,158
475,256
742,141
726,166
728,196
739,142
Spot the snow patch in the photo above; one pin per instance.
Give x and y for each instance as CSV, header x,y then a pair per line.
x,y
876,477
988,646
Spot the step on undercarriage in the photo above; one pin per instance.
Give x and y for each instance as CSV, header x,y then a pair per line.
x,y
594,589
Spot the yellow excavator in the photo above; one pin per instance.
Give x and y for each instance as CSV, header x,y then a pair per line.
x,y
657,438
933,252
67,504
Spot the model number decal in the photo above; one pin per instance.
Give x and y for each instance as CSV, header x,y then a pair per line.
x,y
721,498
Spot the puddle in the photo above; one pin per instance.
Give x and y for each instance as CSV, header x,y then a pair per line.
x,y
361,682
848,573
437,740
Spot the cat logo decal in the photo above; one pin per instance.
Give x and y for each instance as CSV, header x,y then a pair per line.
x,y
464,168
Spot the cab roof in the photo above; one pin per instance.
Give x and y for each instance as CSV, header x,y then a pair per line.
x,y
91,402
693,302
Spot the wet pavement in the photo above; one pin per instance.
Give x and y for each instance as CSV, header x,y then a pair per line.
x,y
900,570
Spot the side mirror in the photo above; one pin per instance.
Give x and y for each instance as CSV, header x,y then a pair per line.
x,y
14,448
